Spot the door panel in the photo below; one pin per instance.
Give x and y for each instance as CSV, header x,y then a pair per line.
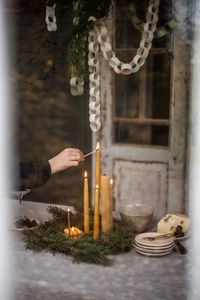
x,y
141,182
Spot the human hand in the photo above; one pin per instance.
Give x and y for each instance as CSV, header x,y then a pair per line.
x,y
69,157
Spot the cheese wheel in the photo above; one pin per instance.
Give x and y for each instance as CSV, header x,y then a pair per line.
x,y
169,223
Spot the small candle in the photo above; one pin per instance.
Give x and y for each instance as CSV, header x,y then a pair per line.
x,y
86,204
96,214
73,232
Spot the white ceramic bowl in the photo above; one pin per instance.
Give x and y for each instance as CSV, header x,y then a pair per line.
x,y
140,215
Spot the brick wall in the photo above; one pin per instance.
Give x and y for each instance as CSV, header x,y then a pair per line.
x,y
50,119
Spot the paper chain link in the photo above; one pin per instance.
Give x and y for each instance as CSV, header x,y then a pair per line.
x,y
99,40
76,86
145,45
51,18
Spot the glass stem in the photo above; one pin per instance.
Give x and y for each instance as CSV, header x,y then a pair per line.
x,y
20,205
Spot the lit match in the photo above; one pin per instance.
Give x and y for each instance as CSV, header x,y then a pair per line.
x,y
90,153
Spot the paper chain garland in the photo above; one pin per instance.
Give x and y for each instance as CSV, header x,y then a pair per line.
x,y
139,23
99,40
51,18
94,81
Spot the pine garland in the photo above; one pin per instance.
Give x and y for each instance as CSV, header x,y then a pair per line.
x,y
83,9
49,236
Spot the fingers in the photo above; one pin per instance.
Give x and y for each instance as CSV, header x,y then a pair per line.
x,y
69,157
75,154
73,150
81,156
73,163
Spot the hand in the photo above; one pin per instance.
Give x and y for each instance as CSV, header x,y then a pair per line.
x,y
69,157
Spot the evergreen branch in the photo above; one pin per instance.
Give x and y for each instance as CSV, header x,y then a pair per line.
x,y
49,236
77,50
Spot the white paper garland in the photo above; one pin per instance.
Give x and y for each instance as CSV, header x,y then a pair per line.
x,y
51,18
98,39
94,82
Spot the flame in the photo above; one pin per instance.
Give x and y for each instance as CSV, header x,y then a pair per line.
x,y
97,186
68,210
85,174
73,228
111,181
97,146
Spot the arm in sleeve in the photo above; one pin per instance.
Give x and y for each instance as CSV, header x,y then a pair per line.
x,y
33,174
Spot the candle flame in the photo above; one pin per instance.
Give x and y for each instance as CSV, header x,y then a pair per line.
x,y
68,210
97,146
97,186
111,181
72,228
85,174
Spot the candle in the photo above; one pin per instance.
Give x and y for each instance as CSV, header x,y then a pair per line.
x,y
86,204
68,218
73,232
106,204
97,192
111,204
96,214
98,165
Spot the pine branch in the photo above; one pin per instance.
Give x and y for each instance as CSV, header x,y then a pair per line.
x,y
50,237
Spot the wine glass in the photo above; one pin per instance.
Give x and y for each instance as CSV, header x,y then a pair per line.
x,y
21,218
20,195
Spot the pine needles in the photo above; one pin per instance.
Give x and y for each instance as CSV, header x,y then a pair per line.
x,y
83,9
50,237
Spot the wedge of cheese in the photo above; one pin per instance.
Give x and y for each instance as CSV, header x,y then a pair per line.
x,y
169,223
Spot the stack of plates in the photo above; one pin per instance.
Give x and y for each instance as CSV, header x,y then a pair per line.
x,y
155,247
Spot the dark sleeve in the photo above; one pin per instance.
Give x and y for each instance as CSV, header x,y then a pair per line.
x,y
33,174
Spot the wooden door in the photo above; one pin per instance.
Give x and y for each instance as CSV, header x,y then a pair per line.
x,y
144,115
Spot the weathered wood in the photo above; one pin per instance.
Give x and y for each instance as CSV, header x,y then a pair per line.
x,y
145,121
161,169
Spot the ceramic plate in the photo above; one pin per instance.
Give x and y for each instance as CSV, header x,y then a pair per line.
x,y
156,251
154,254
165,241
153,246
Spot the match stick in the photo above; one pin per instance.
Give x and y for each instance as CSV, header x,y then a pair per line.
x,y
90,153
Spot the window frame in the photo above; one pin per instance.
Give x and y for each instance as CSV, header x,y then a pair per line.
x,y
141,119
